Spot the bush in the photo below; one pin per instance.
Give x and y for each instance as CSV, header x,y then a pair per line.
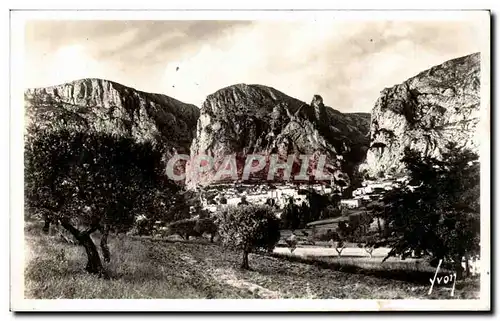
x,y
193,227
331,211
247,228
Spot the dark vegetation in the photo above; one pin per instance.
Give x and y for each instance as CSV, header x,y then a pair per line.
x,y
89,181
435,216
317,207
441,216
195,227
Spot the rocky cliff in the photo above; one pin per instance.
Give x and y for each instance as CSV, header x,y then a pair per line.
x,y
106,106
437,106
253,119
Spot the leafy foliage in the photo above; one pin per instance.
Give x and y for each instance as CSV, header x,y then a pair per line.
x,y
248,228
440,214
331,211
290,218
93,177
317,207
93,181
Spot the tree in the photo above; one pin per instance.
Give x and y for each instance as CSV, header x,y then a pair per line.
x,y
317,203
290,218
304,215
377,210
93,181
439,212
355,229
271,202
247,228
243,201
335,199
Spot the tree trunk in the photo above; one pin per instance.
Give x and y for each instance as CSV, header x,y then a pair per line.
x,y
104,244
94,264
46,225
467,266
244,264
458,267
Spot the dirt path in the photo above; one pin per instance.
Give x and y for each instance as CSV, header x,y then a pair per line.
x,y
228,277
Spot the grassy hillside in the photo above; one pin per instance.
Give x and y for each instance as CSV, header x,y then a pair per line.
x,y
142,268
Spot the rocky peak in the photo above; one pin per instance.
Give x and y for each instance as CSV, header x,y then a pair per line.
x,y
105,106
102,105
244,119
317,102
319,110
437,106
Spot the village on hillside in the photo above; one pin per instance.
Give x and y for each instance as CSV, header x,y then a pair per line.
x,y
215,197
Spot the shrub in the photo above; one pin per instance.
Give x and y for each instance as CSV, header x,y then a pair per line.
x,y
248,228
193,227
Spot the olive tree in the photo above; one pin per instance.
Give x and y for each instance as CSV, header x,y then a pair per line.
x,y
92,181
247,228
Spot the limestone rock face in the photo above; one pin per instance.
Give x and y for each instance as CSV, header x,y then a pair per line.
x,y
254,119
437,106
106,106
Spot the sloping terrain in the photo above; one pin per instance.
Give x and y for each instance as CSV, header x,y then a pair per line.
x,y
156,269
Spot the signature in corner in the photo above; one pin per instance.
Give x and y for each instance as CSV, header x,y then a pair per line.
x,y
446,279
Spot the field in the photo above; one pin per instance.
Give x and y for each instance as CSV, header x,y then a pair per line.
x,y
145,268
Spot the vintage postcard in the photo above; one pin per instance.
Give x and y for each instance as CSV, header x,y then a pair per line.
x,y
250,160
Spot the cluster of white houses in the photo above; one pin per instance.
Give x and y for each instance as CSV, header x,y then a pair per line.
x,y
233,193
372,191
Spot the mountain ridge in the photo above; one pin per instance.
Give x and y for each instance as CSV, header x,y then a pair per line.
x,y
93,104
246,119
426,111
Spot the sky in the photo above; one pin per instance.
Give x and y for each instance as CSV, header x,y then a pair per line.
x,y
348,63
